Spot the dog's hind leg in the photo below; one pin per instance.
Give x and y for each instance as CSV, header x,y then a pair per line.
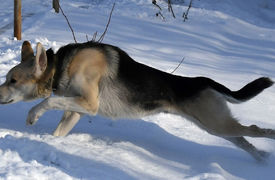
x,y
255,131
230,127
211,113
67,122
242,143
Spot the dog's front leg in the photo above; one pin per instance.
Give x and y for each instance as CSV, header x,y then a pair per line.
x,y
67,122
35,113
57,103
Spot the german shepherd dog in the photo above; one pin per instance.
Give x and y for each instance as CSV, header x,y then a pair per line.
x,y
95,78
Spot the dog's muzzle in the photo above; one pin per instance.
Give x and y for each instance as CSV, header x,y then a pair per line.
x,y
5,101
8,102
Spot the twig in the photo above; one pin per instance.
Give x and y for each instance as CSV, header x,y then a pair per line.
x,y
67,21
106,28
155,3
170,8
94,36
87,38
159,13
185,14
178,65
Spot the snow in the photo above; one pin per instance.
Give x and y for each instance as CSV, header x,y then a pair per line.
x,y
230,41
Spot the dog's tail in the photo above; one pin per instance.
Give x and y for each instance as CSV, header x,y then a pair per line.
x,y
249,91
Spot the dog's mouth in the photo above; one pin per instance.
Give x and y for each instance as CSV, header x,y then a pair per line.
x,y
8,102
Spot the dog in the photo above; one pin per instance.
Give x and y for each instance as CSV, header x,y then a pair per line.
x,y
95,78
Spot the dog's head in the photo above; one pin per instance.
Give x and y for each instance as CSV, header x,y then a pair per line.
x,y
22,80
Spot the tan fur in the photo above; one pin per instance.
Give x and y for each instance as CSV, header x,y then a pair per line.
x,y
27,51
212,114
86,69
67,122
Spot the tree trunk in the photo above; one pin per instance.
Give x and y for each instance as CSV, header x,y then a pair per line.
x,y
17,19
56,5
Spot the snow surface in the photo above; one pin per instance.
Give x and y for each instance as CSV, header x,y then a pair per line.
x,y
230,41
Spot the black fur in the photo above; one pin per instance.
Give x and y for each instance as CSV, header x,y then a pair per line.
x,y
252,89
150,86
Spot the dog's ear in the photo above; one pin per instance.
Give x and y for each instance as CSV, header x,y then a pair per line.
x,y
40,64
26,51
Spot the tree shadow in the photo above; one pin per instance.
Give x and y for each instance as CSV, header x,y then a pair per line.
x,y
200,158
146,135
8,26
73,165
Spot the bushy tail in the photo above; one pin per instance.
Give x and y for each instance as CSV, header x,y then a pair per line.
x,y
249,91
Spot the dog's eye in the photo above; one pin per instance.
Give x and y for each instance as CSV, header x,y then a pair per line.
x,y
13,81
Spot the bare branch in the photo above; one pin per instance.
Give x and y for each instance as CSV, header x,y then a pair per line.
x,y
159,13
170,8
185,14
155,3
178,65
106,28
67,21
94,36
87,38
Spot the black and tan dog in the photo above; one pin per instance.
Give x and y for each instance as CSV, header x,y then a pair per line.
x,y
94,78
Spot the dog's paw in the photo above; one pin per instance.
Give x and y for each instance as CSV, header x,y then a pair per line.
x,y
32,117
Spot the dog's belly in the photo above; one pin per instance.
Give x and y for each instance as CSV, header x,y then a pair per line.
x,y
113,102
114,108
